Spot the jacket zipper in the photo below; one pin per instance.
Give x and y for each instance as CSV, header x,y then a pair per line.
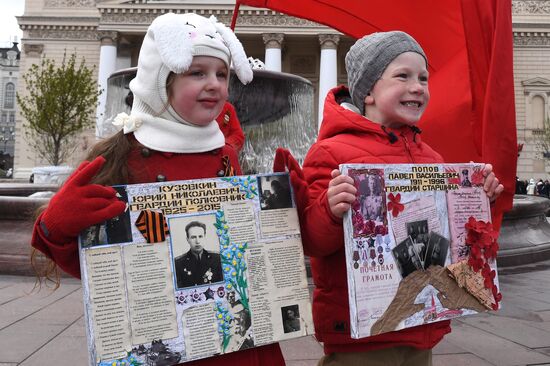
x,y
408,148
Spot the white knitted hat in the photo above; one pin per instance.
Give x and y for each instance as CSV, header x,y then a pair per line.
x,y
171,42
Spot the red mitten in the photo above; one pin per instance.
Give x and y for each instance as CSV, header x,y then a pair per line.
x,y
285,161
79,205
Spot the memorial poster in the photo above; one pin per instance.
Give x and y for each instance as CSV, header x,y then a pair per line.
x,y
410,256
195,269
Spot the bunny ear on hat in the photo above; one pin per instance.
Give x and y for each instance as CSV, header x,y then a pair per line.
x,y
238,56
176,53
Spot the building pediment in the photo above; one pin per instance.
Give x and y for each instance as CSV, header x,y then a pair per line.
x,y
136,15
103,3
537,82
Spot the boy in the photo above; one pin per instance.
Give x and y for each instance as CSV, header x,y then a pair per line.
x,y
388,91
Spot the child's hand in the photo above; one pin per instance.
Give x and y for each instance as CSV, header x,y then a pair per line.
x,y
491,185
79,204
341,193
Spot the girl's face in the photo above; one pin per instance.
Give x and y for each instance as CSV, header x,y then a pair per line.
x,y
198,95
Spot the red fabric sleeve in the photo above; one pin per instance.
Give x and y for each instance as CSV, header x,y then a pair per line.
x,y
324,231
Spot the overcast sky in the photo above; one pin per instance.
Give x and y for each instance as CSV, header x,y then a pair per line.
x,y
8,24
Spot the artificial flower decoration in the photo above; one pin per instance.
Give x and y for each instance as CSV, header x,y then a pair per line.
x,y
356,206
477,177
369,227
481,239
381,230
395,205
224,318
456,179
128,123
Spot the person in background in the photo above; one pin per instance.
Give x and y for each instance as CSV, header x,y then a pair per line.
x,y
531,187
520,186
546,188
540,188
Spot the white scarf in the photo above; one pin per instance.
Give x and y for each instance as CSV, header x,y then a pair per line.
x,y
167,135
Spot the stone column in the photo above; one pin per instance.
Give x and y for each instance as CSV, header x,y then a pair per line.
x,y
273,43
328,72
107,65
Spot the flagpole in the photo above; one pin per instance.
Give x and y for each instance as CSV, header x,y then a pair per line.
x,y
235,15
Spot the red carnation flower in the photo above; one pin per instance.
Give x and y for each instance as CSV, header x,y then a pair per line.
x,y
395,205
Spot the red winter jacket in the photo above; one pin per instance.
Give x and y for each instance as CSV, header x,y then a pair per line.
x,y
347,137
148,166
231,127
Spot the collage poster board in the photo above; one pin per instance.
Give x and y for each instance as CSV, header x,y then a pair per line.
x,y
404,237
194,269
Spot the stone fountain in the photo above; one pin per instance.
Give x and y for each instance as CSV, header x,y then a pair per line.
x,y
17,214
525,232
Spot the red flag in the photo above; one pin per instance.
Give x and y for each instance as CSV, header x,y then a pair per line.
x,y
468,43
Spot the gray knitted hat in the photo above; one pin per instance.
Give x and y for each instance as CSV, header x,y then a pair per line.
x,y
368,58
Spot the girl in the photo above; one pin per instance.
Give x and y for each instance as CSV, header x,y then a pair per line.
x,y
171,134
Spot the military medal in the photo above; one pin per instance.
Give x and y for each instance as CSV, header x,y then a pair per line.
x,y
355,259
387,242
207,276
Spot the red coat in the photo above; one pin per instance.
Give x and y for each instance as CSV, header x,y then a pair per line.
x,y
231,127
150,166
347,137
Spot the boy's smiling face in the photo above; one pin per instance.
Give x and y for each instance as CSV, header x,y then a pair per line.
x,y
401,94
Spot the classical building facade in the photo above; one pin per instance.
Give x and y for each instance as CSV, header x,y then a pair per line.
x,y
108,34
9,72
531,30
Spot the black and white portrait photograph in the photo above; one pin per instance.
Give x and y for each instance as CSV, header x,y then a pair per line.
x,y
274,192
465,178
241,329
94,235
406,257
436,252
118,228
291,318
196,250
370,193
419,233
114,231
